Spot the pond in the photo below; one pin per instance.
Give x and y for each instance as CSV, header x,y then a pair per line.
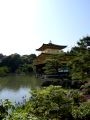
x,y
17,87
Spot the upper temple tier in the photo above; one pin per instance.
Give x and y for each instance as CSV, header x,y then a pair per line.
x,y
51,48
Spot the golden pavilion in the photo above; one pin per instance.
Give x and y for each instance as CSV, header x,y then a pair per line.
x,y
46,51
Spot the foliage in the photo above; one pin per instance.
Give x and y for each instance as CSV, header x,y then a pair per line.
x,y
20,114
12,61
80,64
77,97
25,68
17,63
47,103
51,103
51,66
1,56
5,108
82,112
4,71
28,59
86,88
81,47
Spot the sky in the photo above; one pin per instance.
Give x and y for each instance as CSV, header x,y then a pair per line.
x,y
26,24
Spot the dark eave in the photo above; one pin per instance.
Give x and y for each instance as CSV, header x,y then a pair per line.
x,y
50,46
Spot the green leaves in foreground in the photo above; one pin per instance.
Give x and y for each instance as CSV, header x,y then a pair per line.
x,y
53,103
47,104
82,112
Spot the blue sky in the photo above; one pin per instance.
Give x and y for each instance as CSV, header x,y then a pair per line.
x,y
26,24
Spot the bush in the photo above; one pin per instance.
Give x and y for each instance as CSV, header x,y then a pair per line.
x,y
86,88
51,102
46,103
3,71
5,106
82,112
26,68
77,97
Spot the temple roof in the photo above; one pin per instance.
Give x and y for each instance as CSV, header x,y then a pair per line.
x,y
50,46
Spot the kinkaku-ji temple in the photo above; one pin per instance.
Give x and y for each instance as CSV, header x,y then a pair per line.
x,y
48,50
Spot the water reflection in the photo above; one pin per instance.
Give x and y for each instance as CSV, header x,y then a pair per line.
x,y
14,87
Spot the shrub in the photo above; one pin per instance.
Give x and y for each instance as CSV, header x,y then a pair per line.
x,y
3,71
86,88
51,102
82,112
5,106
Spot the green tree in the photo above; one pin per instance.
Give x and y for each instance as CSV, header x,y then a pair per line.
x,y
12,62
50,103
28,59
82,46
80,64
51,66
25,68
4,71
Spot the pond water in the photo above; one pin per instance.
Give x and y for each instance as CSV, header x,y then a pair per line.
x,y
17,87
